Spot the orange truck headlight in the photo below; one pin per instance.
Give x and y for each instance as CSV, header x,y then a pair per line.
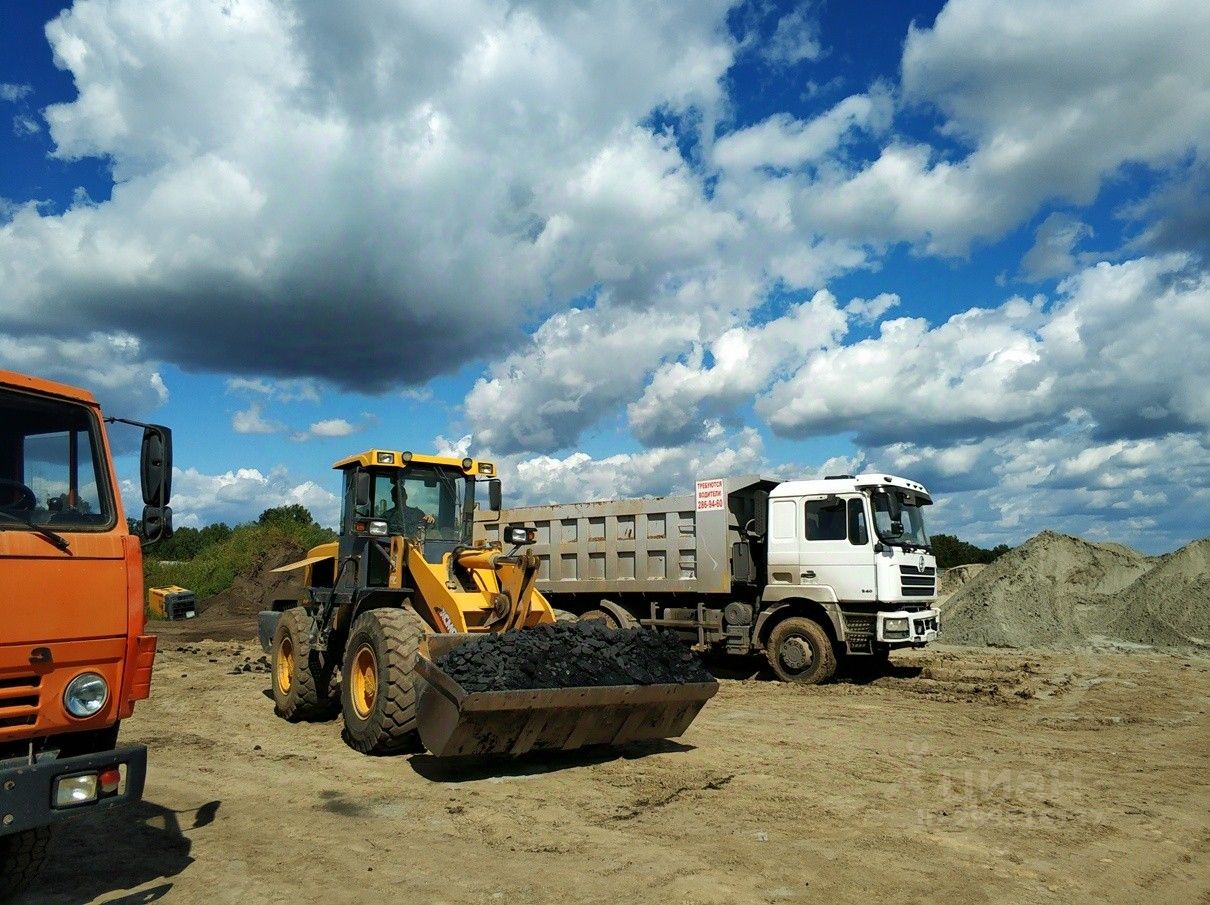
x,y
86,695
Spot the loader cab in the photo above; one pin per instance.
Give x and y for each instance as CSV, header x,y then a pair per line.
x,y
427,500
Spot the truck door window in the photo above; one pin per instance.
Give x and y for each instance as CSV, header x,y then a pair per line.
x,y
826,520
859,534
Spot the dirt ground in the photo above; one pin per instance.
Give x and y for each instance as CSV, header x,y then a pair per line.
x,y
965,775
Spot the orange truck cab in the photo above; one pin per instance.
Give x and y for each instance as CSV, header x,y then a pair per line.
x,y
74,657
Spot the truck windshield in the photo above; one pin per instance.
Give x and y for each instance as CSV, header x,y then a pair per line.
x,y
52,471
422,497
911,514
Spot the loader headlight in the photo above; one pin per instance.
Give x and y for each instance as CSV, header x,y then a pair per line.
x,y
85,695
378,528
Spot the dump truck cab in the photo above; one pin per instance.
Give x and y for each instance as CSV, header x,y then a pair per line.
x,y
74,656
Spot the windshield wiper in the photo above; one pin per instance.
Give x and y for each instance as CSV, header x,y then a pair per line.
x,y
53,536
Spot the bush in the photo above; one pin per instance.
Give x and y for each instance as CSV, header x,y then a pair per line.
x,y
217,565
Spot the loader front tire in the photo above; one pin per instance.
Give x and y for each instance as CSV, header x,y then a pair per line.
x,y
21,858
800,651
564,615
302,678
378,682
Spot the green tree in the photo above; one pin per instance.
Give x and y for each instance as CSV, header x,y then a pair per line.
x,y
296,513
951,551
215,534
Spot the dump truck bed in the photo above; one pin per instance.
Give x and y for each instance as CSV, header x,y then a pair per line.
x,y
676,544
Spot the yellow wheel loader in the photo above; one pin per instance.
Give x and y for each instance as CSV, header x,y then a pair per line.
x,y
404,588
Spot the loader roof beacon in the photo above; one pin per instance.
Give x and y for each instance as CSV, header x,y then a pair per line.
x,y
74,657
808,572
404,585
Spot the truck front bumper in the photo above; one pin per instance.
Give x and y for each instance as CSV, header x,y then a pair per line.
x,y
28,791
903,627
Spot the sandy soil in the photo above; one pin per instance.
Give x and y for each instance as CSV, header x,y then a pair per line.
x,y
964,776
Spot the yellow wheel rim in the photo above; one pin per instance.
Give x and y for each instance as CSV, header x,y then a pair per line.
x,y
285,665
365,681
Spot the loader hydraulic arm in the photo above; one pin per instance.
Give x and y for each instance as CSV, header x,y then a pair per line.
x,y
516,574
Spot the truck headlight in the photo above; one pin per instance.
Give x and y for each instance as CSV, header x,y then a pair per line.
x,y
895,628
85,695
75,790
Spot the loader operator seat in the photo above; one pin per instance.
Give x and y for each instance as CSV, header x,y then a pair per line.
x,y
402,518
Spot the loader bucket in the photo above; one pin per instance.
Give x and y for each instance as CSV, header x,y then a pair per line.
x,y
454,722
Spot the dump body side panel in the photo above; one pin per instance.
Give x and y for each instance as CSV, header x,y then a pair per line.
x,y
679,544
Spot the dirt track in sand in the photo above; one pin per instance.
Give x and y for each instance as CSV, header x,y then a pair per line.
x,y
966,775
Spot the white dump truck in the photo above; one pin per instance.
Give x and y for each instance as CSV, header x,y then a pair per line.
x,y
808,572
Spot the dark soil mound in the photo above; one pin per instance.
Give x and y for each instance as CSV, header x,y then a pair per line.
x,y
573,655
257,588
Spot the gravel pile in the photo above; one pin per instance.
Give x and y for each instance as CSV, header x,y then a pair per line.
x,y
572,655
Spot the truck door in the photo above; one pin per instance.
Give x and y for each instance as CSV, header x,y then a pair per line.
x,y
783,545
834,547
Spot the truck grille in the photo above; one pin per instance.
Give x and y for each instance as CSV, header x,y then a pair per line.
x,y
916,583
18,704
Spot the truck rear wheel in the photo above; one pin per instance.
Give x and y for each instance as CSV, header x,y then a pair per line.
x,y
610,619
302,678
378,690
800,651
564,615
21,858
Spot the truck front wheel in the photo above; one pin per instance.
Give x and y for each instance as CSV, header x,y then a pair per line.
x,y
377,685
800,651
21,857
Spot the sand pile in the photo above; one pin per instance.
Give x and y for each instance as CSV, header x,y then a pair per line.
x,y
1170,605
954,578
1052,590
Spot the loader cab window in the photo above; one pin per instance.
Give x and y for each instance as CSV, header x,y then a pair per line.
x,y
51,466
421,499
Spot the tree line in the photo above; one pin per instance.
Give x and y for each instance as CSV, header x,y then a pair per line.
x,y
187,543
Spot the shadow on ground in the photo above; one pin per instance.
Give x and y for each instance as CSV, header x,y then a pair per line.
x,y
469,769
107,852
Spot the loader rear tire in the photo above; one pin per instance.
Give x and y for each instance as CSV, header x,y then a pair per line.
x,y
378,682
800,651
21,858
302,678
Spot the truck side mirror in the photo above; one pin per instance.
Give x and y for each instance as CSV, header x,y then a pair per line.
x,y
155,465
361,492
157,523
494,501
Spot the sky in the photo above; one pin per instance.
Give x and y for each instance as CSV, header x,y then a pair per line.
x,y
619,246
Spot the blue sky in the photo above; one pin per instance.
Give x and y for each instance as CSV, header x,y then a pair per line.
x,y
619,249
